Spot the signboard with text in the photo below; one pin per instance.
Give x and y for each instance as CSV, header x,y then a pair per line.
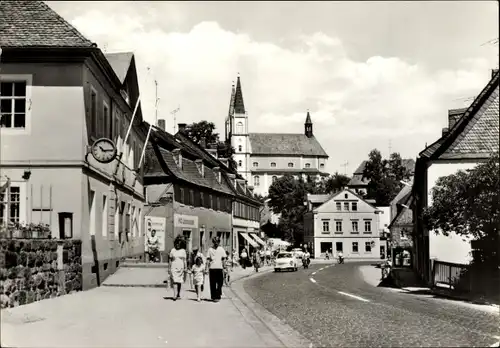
x,y
158,225
185,221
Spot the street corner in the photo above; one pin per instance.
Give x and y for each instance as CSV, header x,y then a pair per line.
x,y
277,333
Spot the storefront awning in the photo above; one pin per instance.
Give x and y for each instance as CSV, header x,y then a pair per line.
x,y
257,238
249,240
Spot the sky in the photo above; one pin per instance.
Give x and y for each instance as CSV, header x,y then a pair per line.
x,y
372,74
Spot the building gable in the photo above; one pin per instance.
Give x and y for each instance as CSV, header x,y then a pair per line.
x,y
342,197
28,23
481,135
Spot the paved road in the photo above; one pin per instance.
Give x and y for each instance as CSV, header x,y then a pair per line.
x,y
324,310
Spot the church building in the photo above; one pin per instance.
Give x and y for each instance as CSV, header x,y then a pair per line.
x,y
264,157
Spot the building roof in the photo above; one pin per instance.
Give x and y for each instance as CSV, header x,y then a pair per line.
x,y
285,144
120,62
27,23
335,194
239,106
476,133
318,198
358,180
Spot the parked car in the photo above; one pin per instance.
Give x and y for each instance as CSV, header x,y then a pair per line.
x,y
285,260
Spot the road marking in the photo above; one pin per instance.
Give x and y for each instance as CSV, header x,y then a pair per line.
x,y
313,273
311,279
322,268
354,296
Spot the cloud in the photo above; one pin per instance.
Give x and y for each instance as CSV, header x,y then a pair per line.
x,y
351,102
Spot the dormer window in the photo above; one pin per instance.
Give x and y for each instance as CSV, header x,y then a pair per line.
x,y
290,165
273,164
308,165
240,148
240,163
255,164
322,165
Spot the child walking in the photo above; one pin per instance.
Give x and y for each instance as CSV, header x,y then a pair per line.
x,y
228,266
198,271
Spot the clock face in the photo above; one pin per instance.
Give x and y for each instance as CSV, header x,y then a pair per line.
x,y
104,150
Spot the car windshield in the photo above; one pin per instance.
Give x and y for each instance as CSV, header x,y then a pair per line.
x,y
284,256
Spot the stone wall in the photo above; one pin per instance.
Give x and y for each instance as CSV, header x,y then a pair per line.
x,y
33,270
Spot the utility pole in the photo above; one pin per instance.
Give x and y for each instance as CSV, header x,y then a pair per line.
x,y
157,100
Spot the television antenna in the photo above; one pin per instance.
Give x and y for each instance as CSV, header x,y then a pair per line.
x,y
174,113
345,164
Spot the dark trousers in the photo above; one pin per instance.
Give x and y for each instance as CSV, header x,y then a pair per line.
x,y
216,282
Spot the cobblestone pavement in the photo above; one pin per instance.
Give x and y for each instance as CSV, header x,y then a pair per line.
x,y
333,305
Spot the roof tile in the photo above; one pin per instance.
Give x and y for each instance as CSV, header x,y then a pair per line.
x,y
285,144
27,23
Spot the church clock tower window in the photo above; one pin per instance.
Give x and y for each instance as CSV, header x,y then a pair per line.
x,y
273,164
240,163
240,148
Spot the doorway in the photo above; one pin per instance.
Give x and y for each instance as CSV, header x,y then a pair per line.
x,y
187,237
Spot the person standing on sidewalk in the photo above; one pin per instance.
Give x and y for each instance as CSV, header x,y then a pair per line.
x,y
215,262
243,260
178,265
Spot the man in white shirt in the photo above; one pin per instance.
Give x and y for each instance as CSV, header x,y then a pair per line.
x,y
215,262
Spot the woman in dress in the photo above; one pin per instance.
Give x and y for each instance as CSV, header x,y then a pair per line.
x,y
178,265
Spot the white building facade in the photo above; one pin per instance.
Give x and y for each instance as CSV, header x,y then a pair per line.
x,y
344,222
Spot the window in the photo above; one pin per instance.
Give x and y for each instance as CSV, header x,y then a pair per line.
x,y
368,226
338,226
93,112
116,127
202,199
355,247
127,221
339,246
240,148
256,181
10,205
191,197
273,164
139,224
133,222
346,206
290,165
218,203
339,206
274,178
182,196
368,247
239,128
255,164
326,226
354,206
92,212
240,163
211,201
346,196
104,217
106,121
404,234
308,165
13,104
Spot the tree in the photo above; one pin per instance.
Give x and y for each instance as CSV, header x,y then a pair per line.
x,y
468,203
203,129
335,182
384,176
206,130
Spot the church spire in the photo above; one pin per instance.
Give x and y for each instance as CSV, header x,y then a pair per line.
x,y
239,106
231,102
308,126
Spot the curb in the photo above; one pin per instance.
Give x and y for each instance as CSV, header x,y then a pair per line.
x,y
456,297
284,335
134,285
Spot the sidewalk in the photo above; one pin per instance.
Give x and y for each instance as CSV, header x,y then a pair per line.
x,y
131,315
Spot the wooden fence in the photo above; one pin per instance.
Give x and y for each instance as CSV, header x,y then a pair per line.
x,y
447,273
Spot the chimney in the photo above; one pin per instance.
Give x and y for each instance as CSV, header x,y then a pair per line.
x,y
161,124
444,131
203,142
182,127
177,157
232,178
217,173
200,166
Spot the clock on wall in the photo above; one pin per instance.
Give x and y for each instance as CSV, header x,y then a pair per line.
x,y
104,150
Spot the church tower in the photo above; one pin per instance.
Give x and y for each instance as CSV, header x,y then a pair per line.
x,y
238,132
308,126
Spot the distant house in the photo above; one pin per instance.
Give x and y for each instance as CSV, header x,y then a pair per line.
x,y
401,225
471,137
343,222
360,185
